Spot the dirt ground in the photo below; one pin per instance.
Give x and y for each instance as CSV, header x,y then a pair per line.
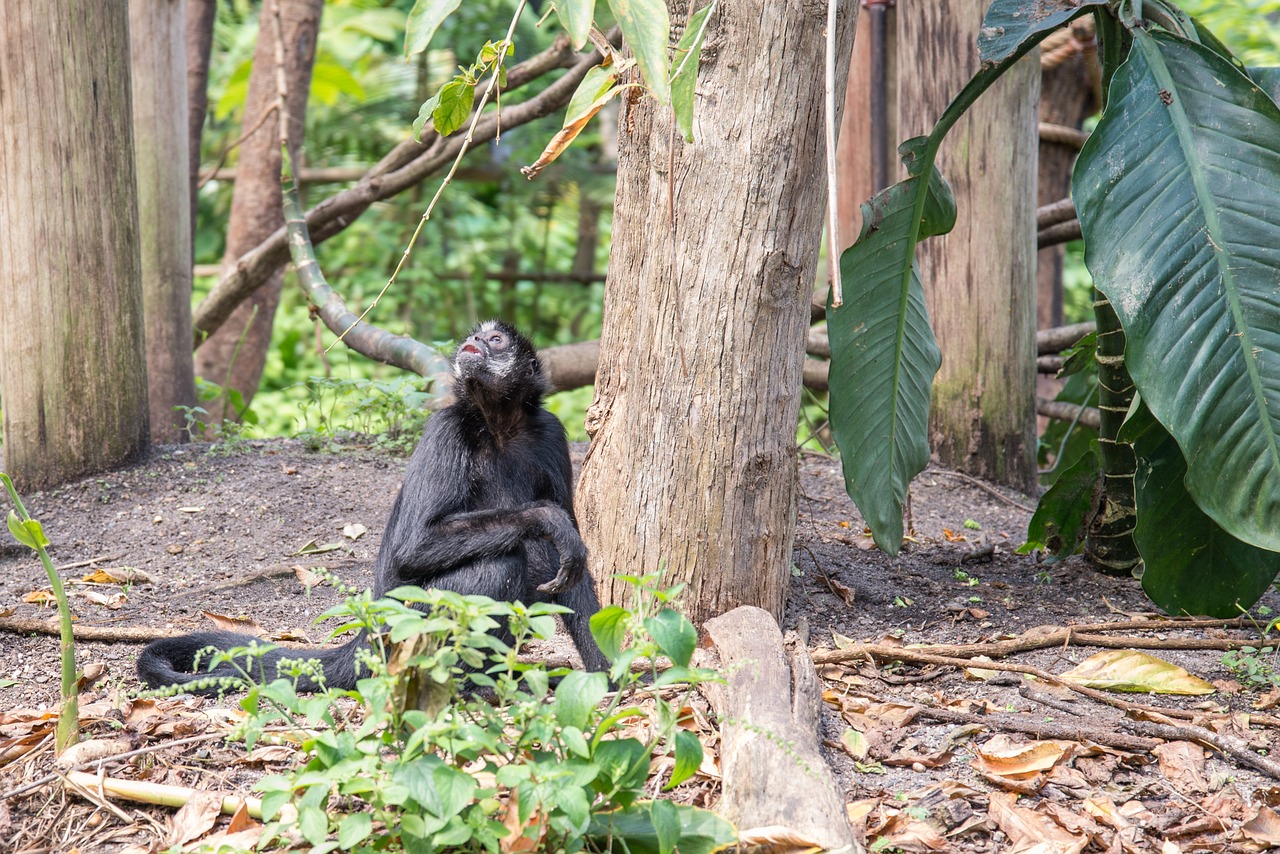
x,y
193,518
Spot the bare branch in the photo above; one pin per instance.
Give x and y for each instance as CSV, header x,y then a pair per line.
x,y
406,165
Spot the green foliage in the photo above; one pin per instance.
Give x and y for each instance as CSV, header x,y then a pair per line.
x,y
1178,196
30,533
501,751
1254,666
449,108
391,411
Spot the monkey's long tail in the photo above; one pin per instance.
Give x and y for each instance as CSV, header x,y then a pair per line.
x,y
172,661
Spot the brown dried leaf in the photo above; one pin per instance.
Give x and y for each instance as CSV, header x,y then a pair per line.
x,y
117,575
905,833
267,754
1262,831
40,597
1030,831
1182,764
1001,756
354,531
307,577
241,625
196,818
519,840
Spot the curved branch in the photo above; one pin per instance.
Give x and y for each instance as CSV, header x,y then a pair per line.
x,y
404,166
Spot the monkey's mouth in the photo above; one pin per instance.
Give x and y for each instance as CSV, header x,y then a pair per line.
x,y
470,348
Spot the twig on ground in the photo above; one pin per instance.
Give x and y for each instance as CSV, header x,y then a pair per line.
x,y
281,570
1042,729
1048,638
87,562
973,481
104,634
1229,745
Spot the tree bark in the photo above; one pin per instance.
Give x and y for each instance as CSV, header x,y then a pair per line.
x,y
72,360
198,36
234,355
164,208
980,278
693,461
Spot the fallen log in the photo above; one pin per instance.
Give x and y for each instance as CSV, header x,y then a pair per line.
x,y
773,775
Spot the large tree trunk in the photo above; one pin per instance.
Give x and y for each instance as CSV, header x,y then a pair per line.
x,y
693,459
234,355
980,278
198,35
164,208
71,336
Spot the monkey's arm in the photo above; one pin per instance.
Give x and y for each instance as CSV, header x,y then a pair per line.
x,y
417,553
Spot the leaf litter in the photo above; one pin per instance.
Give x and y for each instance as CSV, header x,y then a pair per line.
x,y
929,755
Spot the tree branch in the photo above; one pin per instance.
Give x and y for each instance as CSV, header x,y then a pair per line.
x,y
404,166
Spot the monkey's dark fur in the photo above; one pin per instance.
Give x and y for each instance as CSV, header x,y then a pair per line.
x,y
486,508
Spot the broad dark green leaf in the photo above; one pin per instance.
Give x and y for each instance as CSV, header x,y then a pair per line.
x,y
688,758
577,696
701,831
674,635
623,763
440,789
1179,197
685,73
1192,565
1009,24
424,19
575,16
884,355
666,825
645,25
1059,521
1269,80
608,626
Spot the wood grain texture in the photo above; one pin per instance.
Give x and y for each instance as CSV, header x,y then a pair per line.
x,y
979,280
773,773
693,458
159,65
71,336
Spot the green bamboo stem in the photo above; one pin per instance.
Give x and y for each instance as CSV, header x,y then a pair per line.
x,y
29,532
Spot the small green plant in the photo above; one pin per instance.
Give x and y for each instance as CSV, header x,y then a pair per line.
x,y
1255,666
391,411
460,744
966,578
30,533
972,525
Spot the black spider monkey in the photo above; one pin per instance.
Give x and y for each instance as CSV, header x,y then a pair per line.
x,y
486,507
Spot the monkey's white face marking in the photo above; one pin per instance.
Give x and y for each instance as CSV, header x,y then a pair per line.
x,y
492,346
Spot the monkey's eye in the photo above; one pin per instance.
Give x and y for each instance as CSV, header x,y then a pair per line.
x,y
495,339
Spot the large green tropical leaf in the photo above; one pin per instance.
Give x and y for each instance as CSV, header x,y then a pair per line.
x,y
1193,566
1009,24
1179,197
884,355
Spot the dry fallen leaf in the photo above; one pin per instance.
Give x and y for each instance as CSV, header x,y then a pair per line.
x,y
40,597
242,625
1261,832
307,577
1182,764
1137,672
907,833
117,575
196,817
1001,756
775,838
1029,831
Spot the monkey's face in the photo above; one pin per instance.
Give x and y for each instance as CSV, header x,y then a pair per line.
x,y
489,349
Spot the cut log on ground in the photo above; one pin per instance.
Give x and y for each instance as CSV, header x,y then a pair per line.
x,y
773,775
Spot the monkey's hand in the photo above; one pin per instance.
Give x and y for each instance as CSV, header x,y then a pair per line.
x,y
572,551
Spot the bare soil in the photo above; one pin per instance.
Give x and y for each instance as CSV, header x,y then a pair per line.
x,y
195,517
